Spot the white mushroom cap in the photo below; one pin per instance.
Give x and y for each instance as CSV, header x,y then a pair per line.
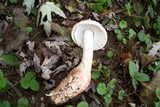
x,y
99,33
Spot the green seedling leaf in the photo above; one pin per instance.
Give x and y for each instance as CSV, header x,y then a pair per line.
x,y
13,1
34,85
97,7
109,3
69,106
154,2
128,8
83,104
110,86
132,69
151,11
142,36
124,41
142,77
157,104
3,82
121,94
123,24
29,30
23,102
107,99
29,76
34,11
131,33
138,23
110,54
101,88
5,104
134,83
95,74
147,21
1,74
24,83
158,93
10,59
100,66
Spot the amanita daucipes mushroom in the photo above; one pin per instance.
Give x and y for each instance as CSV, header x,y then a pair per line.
x,y
90,35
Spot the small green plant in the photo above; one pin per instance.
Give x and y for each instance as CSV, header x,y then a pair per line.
x,y
3,82
99,5
29,30
10,58
22,102
4,104
144,37
13,1
101,70
29,81
155,68
83,104
110,54
156,25
157,104
121,94
137,76
128,8
106,91
120,36
123,24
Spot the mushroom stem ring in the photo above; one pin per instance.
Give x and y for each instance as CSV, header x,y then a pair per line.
x,y
90,35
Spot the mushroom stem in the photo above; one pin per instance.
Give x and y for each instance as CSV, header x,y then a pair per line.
x,y
87,49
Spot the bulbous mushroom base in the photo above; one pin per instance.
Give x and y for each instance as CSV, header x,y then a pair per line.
x,y
72,85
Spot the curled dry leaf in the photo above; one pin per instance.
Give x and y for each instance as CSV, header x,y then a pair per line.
x,y
29,5
155,49
147,93
30,45
23,66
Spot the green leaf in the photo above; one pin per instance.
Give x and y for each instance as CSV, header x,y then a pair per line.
x,y
1,74
148,41
131,33
34,85
142,36
69,106
154,2
110,86
151,11
3,82
110,54
123,24
83,104
23,102
142,77
34,11
97,7
101,88
158,93
138,23
109,3
157,104
121,94
10,59
29,76
5,104
29,30
13,1
108,99
134,83
100,66
147,21
124,41
132,69
128,8
24,83
95,74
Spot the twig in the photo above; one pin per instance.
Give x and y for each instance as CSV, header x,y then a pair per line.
x,y
15,89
